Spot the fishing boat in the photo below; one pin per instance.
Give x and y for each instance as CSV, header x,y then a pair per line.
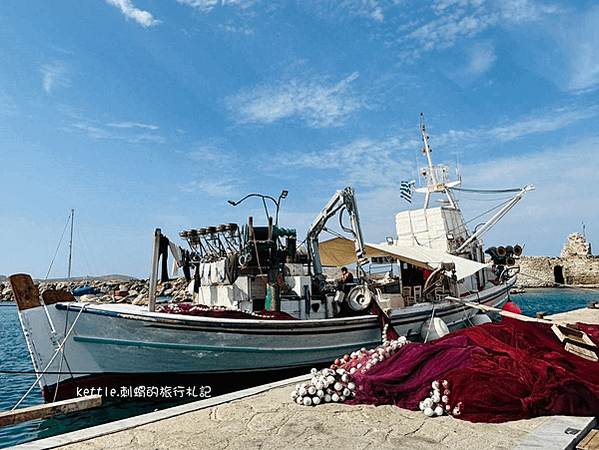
x,y
264,305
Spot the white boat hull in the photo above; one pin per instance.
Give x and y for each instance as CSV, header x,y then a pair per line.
x,y
110,343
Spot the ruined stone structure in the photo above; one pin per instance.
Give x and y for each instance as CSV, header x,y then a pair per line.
x,y
575,265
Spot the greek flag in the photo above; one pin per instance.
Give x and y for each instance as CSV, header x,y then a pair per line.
x,y
405,191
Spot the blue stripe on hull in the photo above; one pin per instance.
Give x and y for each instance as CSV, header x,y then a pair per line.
x,y
106,341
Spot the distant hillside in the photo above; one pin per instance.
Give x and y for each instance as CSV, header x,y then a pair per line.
x,y
115,277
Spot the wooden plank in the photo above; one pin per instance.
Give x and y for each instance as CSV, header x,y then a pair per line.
x,y
48,410
51,296
26,293
590,441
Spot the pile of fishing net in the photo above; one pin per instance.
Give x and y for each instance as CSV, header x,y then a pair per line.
x,y
489,373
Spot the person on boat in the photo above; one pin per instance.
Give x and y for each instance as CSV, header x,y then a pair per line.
x,y
346,279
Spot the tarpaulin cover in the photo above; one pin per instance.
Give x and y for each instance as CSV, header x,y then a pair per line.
x,y
340,251
496,372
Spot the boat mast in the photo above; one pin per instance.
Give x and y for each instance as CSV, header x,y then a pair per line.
x,y
71,244
437,177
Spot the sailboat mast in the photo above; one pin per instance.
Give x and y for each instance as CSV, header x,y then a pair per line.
x,y
71,243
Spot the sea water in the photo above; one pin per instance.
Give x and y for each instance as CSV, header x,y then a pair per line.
x,y
15,362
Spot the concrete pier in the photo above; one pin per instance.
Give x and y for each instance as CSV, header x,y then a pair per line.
x,y
265,417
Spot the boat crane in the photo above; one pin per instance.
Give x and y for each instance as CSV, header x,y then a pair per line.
x,y
342,200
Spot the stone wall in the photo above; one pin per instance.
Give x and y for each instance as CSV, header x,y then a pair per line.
x,y
575,266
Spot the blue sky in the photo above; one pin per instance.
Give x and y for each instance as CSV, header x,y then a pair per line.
x,y
144,114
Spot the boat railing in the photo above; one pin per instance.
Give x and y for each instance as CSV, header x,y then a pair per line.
x,y
438,175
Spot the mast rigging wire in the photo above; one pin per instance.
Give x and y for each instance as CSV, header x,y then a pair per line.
x,y
57,248
487,191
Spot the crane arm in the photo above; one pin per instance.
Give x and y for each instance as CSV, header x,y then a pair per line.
x,y
343,199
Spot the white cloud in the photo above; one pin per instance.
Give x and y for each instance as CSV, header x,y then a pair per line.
x,y
362,162
446,30
55,74
482,57
215,188
580,41
209,5
8,107
211,152
556,120
317,101
518,11
95,132
131,125
457,19
335,9
146,138
365,8
144,18
377,164
240,30
538,123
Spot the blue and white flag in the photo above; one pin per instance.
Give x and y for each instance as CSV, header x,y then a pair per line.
x,y
405,190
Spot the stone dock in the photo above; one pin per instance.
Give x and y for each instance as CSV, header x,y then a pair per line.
x,y
265,417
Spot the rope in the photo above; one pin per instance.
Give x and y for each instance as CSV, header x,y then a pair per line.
x,y
57,248
52,359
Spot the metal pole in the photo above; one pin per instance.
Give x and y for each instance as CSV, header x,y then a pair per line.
x,y
154,270
71,244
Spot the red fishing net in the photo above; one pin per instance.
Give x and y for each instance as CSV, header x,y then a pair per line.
x,y
222,312
493,373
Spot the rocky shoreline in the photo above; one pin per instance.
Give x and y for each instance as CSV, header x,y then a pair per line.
x,y
575,267
116,288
